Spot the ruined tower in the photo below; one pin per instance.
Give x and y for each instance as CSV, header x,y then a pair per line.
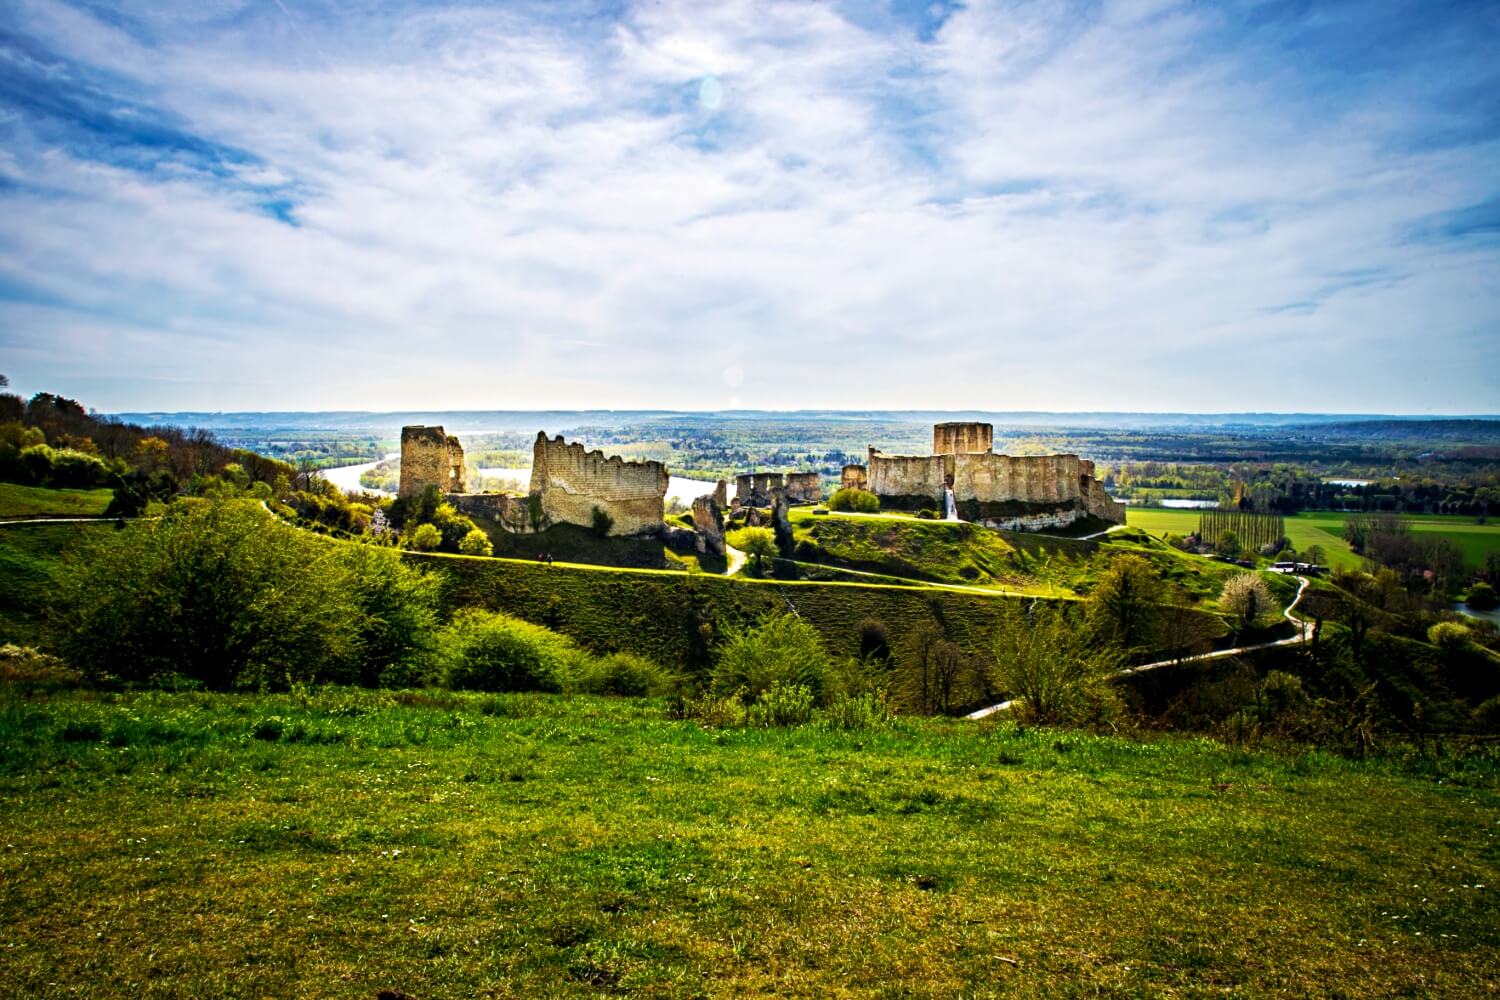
x,y
962,438
431,457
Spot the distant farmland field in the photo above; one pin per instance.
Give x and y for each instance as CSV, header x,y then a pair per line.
x,y
1326,528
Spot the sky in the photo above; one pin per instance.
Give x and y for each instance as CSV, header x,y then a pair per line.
x,y
1139,205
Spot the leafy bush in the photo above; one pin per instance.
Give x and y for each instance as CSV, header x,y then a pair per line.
x,y
857,711
758,543
782,705
221,594
856,500
1449,636
1044,660
782,650
602,522
621,674
476,543
1482,597
424,538
488,651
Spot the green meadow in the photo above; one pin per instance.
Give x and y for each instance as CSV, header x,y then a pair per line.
x,y
336,842
36,501
1326,528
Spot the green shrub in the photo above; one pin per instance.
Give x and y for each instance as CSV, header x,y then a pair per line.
x,y
620,674
476,543
856,500
215,591
781,705
1450,637
602,522
869,710
424,538
1047,662
488,651
781,650
1482,597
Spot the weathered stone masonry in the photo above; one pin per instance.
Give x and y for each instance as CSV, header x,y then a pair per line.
x,y
571,481
1005,491
430,457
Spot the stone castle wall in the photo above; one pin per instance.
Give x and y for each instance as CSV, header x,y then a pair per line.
x,y
512,513
804,487
854,478
1000,490
431,457
962,438
571,481
753,489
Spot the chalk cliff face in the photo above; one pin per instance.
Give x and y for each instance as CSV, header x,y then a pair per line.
x,y
1004,490
430,457
571,482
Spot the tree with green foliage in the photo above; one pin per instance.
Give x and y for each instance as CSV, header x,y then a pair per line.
x,y
1227,545
1122,608
933,675
1247,600
781,649
221,593
1044,661
758,543
476,543
424,538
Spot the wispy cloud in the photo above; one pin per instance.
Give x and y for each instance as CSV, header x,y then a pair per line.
x,y
1116,205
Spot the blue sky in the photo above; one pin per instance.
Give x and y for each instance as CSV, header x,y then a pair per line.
x,y
1142,205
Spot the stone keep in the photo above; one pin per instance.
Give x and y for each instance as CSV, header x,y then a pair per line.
x,y
430,457
1025,492
962,439
572,481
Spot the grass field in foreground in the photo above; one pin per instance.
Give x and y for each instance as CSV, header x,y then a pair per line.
x,y
34,501
1326,528
343,842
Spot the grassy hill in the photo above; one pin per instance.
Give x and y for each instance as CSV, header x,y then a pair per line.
x,y
343,842
968,554
34,501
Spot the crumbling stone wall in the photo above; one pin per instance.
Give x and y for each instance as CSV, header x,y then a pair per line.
x,y
804,487
511,512
962,438
1049,490
708,522
572,481
854,478
721,494
430,457
753,489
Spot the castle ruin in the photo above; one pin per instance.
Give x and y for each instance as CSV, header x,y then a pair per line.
x,y
756,489
572,482
430,457
568,483
1018,493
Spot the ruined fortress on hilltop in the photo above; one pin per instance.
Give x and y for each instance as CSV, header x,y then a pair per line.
x,y
1017,493
569,483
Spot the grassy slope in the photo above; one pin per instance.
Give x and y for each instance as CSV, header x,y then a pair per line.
x,y
1016,562
1326,528
29,555
33,501
526,846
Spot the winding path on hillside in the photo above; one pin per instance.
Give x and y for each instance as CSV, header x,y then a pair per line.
x,y
1304,632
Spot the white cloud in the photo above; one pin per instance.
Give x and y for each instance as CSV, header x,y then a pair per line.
x,y
1034,211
